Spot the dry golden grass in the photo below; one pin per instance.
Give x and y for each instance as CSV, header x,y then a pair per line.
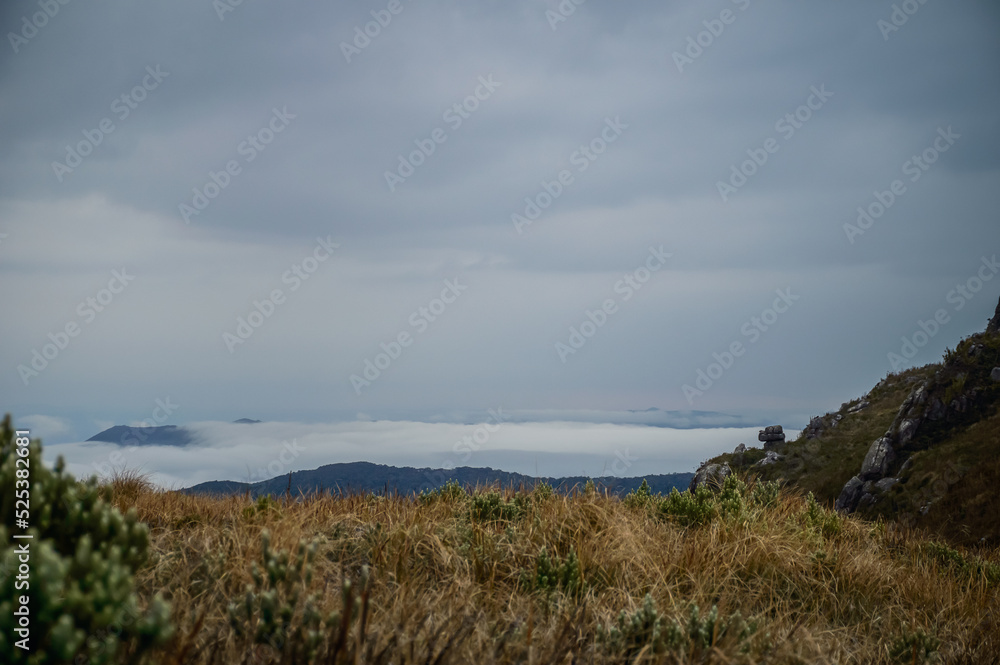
x,y
446,587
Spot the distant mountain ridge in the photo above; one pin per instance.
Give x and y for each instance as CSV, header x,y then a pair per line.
x,y
165,435
351,477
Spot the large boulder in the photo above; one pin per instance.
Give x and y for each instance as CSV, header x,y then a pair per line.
x,y
770,457
880,456
709,475
771,436
850,495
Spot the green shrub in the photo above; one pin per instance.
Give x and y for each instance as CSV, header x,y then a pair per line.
x,y
639,498
542,492
490,506
554,574
274,613
450,491
971,567
83,554
826,522
262,506
916,647
689,509
765,493
646,628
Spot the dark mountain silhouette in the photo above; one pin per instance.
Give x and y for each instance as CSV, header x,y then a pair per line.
x,y
167,435
368,477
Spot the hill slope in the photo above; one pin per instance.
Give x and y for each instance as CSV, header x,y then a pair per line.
x,y
922,447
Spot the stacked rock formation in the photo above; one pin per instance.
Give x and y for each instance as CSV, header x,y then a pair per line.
x,y
772,436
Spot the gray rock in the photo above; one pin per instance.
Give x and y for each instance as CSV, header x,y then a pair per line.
x,y
859,406
849,496
815,427
710,475
740,449
995,374
878,459
907,430
770,457
886,484
937,410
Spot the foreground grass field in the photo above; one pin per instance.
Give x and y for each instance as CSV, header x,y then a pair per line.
x,y
747,575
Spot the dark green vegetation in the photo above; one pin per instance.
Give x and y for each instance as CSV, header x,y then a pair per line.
x,y
79,568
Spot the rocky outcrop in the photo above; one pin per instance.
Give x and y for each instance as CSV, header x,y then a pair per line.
x,y
772,436
815,427
864,488
995,374
738,454
860,406
880,456
709,475
850,496
770,457
994,324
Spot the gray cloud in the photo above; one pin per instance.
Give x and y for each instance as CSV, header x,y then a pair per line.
x,y
323,176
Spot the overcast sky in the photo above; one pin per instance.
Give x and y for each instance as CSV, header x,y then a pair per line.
x,y
529,205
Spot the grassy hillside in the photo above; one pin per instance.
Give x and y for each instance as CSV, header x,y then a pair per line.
x,y
746,576
947,467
